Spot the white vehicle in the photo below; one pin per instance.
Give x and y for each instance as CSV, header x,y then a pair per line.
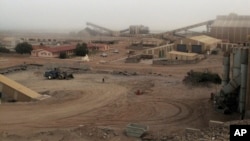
x,y
85,58
104,54
116,51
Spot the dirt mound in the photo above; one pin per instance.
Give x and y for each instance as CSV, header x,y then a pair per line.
x,y
201,78
62,96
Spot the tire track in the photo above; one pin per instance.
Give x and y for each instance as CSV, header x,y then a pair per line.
x,y
178,117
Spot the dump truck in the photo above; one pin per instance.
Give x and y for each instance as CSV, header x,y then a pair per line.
x,y
58,74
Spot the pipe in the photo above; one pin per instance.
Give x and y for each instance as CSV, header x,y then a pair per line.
x,y
242,97
226,69
235,81
1,90
232,85
236,62
247,106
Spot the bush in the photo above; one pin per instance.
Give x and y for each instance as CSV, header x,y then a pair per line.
x,y
196,78
63,55
214,52
4,50
23,48
81,49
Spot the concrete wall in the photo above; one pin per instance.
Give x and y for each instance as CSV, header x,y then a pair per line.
x,y
181,57
173,62
159,52
9,94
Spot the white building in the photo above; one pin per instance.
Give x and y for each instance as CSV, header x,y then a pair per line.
x,y
10,42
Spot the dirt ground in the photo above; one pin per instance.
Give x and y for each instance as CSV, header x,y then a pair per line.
x,y
87,109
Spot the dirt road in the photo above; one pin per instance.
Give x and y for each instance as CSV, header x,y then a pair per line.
x,y
79,109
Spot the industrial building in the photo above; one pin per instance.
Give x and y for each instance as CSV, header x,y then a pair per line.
x,y
132,30
52,51
10,42
98,47
178,58
176,55
138,29
196,44
147,42
232,28
235,93
159,52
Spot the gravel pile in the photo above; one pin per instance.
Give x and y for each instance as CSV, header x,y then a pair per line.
x,y
217,131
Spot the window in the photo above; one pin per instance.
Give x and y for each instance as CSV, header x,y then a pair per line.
x,y
43,53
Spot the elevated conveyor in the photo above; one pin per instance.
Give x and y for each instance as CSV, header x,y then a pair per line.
x,y
99,27
189,27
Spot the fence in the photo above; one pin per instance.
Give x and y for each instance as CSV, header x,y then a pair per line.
x,y
175,62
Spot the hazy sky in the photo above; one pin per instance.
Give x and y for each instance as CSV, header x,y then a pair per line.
x,y
66,15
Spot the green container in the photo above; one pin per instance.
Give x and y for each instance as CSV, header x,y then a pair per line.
x,y
136,130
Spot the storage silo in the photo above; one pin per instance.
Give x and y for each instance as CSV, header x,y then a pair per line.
x,y
232,28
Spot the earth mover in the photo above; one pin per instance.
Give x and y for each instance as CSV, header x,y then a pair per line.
x,y
58,74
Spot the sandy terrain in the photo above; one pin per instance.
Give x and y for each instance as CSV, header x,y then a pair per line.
x,y
80,109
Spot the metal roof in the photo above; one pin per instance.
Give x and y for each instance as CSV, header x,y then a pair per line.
x,y
55,49
232,20
205,39
183,53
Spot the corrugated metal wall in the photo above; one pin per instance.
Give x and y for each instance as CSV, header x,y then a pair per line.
x,y
181,47
233,28
197,48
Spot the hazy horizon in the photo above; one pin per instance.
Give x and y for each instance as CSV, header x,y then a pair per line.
x,y
72,15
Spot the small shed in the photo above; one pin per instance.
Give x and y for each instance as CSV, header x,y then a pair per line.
x,y
177,55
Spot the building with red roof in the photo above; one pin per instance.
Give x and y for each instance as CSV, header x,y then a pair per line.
x,y
52,51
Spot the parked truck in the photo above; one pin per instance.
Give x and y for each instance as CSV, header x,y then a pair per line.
x,y
56,73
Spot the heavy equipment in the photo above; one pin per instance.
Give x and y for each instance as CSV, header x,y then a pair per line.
x,y
56,73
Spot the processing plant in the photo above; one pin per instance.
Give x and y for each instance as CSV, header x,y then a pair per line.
x,y
234,95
